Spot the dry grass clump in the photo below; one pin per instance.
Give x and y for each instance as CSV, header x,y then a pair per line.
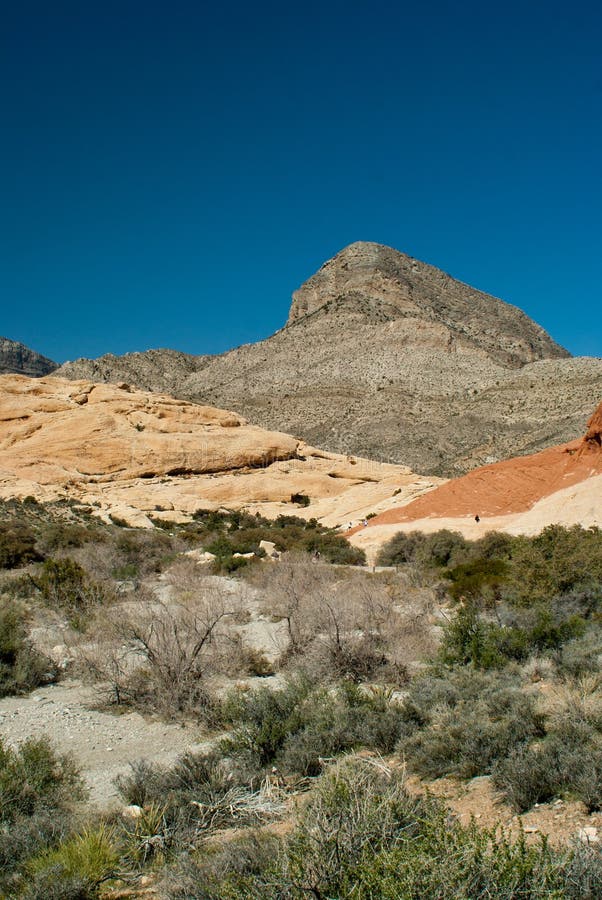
x,y
577,701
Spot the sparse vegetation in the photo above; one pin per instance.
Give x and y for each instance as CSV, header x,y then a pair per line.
x,y
472,658
22,668
226,533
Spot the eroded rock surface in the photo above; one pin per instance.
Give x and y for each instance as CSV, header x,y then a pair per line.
x,y
135,454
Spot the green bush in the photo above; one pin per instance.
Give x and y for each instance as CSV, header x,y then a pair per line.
x,y
363,836
401,549
300,499
66,586
65,535
556,562
297,726
482,578
443,548
75,868
38,788
34,777
472,638
22,668
439,549
226,533
17,545
462,722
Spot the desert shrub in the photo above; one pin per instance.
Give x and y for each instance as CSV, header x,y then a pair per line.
x,y
65,536
580,656
567,760
25,837
299,725
524,777
439,549
199,793
142,551
17,545
471,637
194,775
468,639
207,874
300,499
64,585
556,562
226,533
493,545
75,868
401,549
443,548
522,571
22,668
38,788
462,722
344,623
363,836
156,655
34,777
482,578
263,720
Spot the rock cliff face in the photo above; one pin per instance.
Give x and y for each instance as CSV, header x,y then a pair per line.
x,y
593,435
388,358
440,311
19,359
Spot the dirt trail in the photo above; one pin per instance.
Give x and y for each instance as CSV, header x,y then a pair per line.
x,y
102,744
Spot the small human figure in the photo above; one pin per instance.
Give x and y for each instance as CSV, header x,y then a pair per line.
x,y
477,519
365,522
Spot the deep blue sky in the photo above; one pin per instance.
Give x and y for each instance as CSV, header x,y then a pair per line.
x,y
172,171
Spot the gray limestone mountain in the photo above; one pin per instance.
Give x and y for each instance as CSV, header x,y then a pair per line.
x,y
391,359
17,359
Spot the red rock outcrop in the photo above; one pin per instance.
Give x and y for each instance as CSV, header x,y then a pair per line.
x,y
593,435
511,486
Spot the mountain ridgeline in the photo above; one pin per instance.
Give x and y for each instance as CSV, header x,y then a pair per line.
x,y
17,359
386,357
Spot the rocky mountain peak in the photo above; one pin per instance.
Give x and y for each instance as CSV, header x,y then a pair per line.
x,y
372,278
16,358
388,358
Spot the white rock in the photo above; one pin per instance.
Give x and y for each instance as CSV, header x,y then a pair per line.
x,y
268,546
132,812
589,835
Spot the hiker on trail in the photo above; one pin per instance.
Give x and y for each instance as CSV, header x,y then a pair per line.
x,y
477,519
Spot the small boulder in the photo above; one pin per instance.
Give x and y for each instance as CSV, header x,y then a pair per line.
x,y
132,812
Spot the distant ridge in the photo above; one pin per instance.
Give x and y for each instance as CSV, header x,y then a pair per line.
x,y
388,358
17,359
